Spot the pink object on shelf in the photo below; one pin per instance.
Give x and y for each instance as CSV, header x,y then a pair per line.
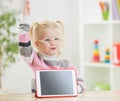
x,y
116,54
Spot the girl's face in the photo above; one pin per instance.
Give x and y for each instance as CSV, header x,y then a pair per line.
x,y
49,42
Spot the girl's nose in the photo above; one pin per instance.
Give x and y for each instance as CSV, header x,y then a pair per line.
x,y
52,42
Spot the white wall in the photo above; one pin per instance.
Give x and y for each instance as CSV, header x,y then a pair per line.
x,y
18,77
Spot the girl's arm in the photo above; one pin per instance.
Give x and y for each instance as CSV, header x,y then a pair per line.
x,y
25,47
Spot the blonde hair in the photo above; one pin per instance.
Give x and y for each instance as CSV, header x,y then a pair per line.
x,y
37,28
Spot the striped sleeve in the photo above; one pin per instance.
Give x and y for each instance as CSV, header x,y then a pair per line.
x,y
25,47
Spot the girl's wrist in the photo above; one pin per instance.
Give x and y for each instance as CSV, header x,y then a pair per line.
x,y
26,19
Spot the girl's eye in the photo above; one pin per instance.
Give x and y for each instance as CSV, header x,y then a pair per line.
x,y
47,40
56,38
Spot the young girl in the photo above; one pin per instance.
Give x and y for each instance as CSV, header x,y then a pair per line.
x,y
40,45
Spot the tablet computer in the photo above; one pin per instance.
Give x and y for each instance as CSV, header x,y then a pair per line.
x,y
56,83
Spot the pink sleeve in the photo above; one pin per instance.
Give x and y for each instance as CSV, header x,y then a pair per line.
x,y
24,37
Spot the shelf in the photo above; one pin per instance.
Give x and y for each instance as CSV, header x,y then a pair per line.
x,y
107,32
101,22
116,22
97,65
115,66
100,65
96,22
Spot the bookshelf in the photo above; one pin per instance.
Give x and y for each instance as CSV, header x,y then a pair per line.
x,y
98,75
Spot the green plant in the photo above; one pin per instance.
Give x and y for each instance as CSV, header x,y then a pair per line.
x,y
8,39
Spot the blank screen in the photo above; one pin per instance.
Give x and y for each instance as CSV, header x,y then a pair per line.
x,y
56,82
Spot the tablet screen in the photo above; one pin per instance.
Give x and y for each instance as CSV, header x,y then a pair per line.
x,y
56,83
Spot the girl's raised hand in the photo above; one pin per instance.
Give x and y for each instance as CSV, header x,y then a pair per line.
x,y
26,8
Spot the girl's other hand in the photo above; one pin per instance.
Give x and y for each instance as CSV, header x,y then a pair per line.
x,y
26,8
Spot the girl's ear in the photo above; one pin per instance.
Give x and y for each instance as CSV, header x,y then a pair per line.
x,y
36,43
